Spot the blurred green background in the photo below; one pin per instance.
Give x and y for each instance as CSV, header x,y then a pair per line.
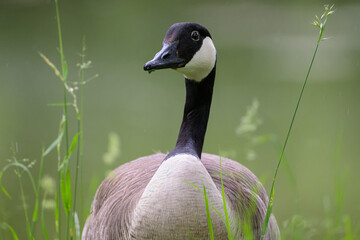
x,y
264,49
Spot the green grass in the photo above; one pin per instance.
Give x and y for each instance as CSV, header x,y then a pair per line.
x,y
65,199
63,202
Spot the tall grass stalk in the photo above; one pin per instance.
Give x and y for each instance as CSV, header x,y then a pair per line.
x,y
64,75
27,221
70,209
64,185
43,219
64,180
82,67
64,72
321,24
37,194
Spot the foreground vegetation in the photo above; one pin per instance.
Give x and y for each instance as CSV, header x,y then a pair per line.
x,y
64,201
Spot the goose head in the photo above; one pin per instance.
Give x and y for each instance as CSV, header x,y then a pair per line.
x,y
187,48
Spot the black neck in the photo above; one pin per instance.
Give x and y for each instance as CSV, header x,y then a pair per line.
x,y
196,115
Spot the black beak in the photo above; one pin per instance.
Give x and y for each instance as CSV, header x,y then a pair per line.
x,y
166,58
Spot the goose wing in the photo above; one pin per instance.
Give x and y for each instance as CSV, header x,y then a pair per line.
x,y
116,198
244,193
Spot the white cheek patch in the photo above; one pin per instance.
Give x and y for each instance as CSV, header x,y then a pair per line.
x,y
202,62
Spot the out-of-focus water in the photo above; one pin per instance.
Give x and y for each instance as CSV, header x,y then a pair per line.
x,y
264,51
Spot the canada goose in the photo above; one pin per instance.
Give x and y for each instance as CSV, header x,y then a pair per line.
x,y
150,197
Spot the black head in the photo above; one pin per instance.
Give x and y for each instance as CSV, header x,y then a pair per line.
x,y
187,48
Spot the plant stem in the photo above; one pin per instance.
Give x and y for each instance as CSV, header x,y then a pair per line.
x,y
82,79
77,168
211,232
59,203
28,228
37,194
67,225
79,126
64,77
64,72
270,202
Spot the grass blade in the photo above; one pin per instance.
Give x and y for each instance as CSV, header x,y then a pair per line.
x,y
15,237
191,237
73,144
218,213
43,225
53,144
65,163
5,192
66,190
56,212
24,206
268,213
23,167
37,195
211,231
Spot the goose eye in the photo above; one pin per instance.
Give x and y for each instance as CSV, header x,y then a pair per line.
x,y
195,35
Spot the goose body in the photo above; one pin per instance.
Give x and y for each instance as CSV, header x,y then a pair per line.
x,y
156,197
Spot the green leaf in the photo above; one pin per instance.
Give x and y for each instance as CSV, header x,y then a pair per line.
x,y
65,162
53,144
22,166
191,237
193,185
61,132
218,213
15,237
268,214
5,192
73,144
211,232
36,209
63,192
56,212
65,69
66,190
43,225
